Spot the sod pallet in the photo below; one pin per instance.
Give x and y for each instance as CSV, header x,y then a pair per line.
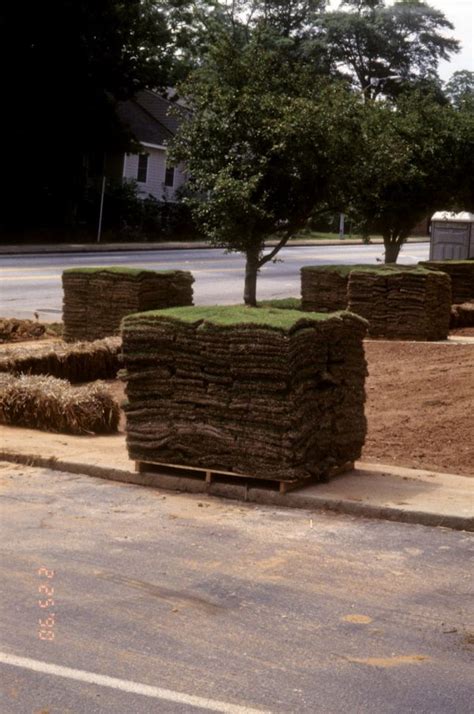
x,y
324,287
461,273
79,362
404,304
96,299
257,392
50,404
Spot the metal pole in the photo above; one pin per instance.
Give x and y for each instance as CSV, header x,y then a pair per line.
x,y
101,210
341,226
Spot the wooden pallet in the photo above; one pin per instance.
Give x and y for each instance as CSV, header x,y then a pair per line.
x,y
210,476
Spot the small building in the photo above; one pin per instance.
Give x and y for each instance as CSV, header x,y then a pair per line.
x,y
452,236
148,117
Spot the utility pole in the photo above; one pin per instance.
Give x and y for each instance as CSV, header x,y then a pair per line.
x,y
101,210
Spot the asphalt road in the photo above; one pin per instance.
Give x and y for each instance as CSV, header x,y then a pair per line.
x,y
189,604
32,283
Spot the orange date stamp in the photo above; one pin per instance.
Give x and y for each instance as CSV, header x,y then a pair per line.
x,y
46,603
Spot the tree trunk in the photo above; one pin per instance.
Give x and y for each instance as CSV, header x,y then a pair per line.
x,y
392,249
251,272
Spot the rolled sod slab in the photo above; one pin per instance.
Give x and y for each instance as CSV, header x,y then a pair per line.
x,y
95,300
261,392
461,273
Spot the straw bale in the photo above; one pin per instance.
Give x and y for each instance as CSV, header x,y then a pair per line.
x,y
50,404
96,299
461,273
79,362
271,394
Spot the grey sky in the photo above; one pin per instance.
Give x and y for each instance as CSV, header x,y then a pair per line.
x,y
461,14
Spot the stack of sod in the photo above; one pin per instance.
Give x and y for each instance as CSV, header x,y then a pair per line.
x,y
81,362
461,273
324,287
96,299
54,405
264,392
401,303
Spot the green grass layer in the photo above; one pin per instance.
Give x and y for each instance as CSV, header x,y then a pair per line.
x,y
119,270
290,303
448,262
233,315
345,270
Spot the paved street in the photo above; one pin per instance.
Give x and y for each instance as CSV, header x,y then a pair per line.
x,y
172,603
32,283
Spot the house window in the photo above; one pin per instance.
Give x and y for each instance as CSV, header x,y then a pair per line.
x,y
142,168
169,176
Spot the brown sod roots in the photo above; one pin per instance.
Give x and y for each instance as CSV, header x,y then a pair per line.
x,y
268,393
96,299
52,404
80,362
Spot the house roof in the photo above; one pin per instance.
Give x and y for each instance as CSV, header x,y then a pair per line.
x,y
146,115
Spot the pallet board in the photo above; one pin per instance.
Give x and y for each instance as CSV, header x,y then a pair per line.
x,y
208,476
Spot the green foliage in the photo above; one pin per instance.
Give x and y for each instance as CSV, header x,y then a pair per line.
x,y
460,90
264,143
382,45
415,157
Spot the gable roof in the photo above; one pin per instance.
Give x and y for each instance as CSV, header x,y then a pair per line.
x,y
146,115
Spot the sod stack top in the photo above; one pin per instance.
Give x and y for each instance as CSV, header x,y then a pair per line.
x,y
96,299
266,393
399,302
461,273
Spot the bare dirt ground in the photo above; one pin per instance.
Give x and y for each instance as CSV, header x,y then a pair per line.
x,y
420,405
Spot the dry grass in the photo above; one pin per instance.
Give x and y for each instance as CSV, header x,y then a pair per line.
x,y
79,362
51,404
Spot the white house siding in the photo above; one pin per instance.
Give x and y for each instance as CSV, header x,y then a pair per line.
x,y
155,183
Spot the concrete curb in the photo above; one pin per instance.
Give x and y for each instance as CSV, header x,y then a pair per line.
x,y
261,496
171,245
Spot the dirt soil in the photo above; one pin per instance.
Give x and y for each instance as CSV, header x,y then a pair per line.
x,y
420,405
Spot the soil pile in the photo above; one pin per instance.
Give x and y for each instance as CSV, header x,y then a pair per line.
x,y
268,393
405,304
51,404
461,273
80,362
96,299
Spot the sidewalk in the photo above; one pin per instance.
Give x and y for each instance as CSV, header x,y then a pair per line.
x,y
371,490
171,245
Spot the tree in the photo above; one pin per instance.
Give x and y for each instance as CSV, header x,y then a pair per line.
x,y
415,158
385,47
460,90
65,64
265,146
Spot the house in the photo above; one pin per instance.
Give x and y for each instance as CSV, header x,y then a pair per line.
x,y
147,116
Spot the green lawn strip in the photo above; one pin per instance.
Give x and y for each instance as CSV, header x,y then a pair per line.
x,y
120,270
344,270
233,316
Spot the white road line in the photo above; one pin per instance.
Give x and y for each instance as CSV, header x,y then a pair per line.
x,y
124,685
